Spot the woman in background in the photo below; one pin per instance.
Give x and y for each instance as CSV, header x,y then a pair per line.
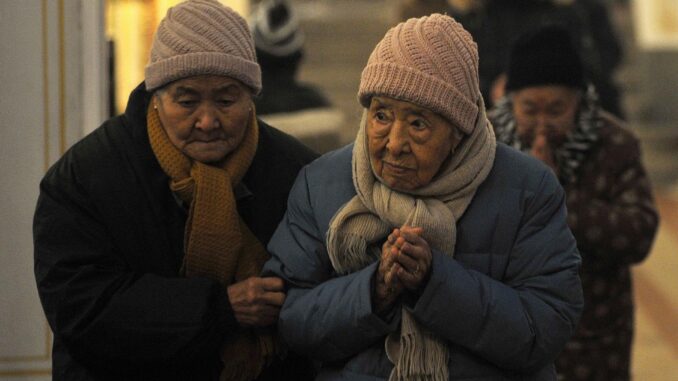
x,y
553,115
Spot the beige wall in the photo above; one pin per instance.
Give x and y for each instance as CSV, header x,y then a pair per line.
x,y
52,83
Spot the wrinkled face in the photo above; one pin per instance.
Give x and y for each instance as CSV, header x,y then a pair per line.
x,y
550,111
205,116
407,144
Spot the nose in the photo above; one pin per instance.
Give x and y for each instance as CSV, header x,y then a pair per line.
x,y
207,119
398,140
542,123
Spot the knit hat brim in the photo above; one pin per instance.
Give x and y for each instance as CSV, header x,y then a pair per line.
x,y
203,63
389,79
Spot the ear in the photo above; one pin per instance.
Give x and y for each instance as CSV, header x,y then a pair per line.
x,y
155,99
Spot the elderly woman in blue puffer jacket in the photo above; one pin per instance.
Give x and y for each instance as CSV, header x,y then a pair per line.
x,y
425,250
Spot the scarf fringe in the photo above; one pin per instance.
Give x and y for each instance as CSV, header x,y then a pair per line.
x,y
352,248
422,356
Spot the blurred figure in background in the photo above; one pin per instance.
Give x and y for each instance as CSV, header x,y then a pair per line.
x,y
551,114
296,108
494,25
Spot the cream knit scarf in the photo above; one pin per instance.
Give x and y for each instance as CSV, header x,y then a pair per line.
x,y
358,227
217,243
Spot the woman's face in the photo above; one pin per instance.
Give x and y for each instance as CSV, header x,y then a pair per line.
x,y
206,116
407,144
548,111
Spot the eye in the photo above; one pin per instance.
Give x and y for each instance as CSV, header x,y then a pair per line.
x,y
187,103
381,116
529,111
419,124
225,102
556,112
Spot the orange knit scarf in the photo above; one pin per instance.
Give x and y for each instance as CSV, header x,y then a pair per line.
x,y
217,242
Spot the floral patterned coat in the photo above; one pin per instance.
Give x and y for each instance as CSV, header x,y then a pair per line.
x,y
613,217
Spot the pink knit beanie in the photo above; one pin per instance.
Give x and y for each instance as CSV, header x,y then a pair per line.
x,y
199,37
430,61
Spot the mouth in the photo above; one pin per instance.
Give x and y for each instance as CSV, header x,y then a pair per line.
x,y
396,168
207,141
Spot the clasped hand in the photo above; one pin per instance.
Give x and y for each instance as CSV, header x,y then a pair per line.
x,y
405,265
541,149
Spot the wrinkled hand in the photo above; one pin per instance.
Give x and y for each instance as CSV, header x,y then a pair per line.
x,y
387,288
256,302
542,151
413,258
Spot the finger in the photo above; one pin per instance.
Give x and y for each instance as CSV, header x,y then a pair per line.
x,y
411,230
388,276
412,237
409,280
415,253
272,284
391,278
393,252
393,236
408,262
273,298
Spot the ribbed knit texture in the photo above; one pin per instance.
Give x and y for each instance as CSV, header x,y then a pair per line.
x,y
430,61
217,243
357,228
202,37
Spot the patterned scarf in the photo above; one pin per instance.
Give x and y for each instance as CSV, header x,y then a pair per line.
x,y
357,228
217,242
570,155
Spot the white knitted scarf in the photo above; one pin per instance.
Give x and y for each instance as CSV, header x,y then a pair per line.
x,y
362,223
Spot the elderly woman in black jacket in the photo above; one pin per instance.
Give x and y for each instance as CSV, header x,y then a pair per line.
x,y
150,233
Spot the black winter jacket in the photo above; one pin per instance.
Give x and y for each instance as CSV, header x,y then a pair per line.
x,y
108,240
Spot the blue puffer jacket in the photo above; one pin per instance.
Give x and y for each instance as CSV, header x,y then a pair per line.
x,y
506,303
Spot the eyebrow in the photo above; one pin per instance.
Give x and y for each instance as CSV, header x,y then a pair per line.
x,y
228,89
420,112
187,90
183,90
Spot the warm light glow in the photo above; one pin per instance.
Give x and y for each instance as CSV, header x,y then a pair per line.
x,y
131,24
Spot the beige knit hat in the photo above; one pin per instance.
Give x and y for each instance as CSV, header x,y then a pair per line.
x,y
430,61
199,37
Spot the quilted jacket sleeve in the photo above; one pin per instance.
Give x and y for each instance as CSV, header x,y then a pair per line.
x,y
325,316
523,320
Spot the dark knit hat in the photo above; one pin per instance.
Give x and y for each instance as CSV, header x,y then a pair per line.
x,y
202,37
545,56
275,28
430,61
